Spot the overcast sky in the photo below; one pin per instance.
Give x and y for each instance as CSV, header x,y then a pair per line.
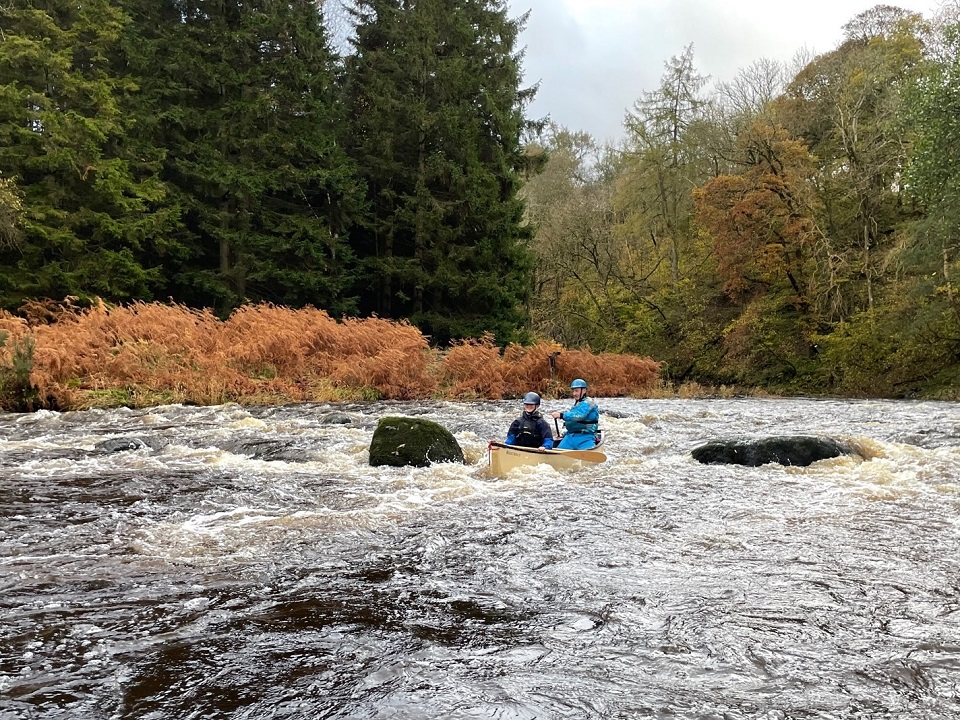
x,y
594,58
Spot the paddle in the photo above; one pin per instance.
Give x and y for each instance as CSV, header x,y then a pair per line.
x,y
587,455
594,456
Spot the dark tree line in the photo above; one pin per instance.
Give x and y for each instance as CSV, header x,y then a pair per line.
x,y
795,228
216,152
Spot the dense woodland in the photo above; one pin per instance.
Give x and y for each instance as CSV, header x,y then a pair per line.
x,y
796,228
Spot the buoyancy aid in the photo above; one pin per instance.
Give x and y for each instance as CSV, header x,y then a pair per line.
x,y
529,431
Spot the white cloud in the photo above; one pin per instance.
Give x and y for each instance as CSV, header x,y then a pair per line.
x,y
594,58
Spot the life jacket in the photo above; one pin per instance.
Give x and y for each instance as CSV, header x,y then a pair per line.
x,y
529,434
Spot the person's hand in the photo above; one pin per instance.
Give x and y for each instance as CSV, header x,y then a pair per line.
x,y
555,415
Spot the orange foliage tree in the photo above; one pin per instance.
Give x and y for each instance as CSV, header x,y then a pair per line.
x,y
762,226
762,220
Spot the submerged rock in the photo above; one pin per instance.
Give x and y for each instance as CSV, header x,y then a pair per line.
x,y
120,444
402,441
614,414
335,418
799,450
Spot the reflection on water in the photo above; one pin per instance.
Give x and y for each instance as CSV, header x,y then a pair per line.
x,y
248,563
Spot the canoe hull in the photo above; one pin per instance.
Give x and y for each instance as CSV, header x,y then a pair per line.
x,y
504,458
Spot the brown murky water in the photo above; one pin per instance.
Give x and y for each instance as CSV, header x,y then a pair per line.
x,y
248,563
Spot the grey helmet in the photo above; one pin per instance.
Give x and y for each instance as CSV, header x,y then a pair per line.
x,y
531,398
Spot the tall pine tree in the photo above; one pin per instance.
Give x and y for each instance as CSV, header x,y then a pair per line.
x,y
89,222
241,96
433,87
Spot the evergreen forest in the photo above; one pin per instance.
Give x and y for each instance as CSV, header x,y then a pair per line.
x,y
794,229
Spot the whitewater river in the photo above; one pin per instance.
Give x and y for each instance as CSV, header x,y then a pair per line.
x,y
249,563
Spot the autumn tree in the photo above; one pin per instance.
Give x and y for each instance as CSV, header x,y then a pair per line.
x,y
577,297
761,220
928,261
661,162
762,225
752,89
673,145
847,105
933,176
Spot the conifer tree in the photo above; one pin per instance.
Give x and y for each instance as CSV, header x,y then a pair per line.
x,y
433,87
11,212
88,219
245,108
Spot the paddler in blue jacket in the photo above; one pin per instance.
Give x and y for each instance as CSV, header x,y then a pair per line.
x,y
530,429
582,420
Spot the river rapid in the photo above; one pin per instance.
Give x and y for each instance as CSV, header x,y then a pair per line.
x,y
249,563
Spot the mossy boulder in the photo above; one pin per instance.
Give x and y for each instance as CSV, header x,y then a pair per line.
x,y
403,441
801,450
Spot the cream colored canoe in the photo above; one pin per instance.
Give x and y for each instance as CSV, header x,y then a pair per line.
x,y
504,458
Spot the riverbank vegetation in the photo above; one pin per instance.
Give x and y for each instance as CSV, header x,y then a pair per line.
x,y
793,229
65,357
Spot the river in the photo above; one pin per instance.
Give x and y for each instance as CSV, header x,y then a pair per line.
x,y
249,563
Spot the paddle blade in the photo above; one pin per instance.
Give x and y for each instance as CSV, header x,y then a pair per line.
x,y
594,456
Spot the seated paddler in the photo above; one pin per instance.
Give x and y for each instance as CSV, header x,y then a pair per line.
x,y
530,429
582,420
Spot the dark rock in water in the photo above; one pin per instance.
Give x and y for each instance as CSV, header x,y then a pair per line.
x,y
120,444
614,414
267,449
799,450
335,418
401,441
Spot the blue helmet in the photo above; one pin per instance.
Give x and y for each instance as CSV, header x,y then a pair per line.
x,y
531,398
578,383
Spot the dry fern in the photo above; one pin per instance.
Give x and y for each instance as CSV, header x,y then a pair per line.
x,y
145,351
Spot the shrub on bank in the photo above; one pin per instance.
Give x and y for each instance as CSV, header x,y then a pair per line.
x,y
150,353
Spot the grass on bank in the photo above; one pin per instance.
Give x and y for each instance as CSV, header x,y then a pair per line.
x,y
59,356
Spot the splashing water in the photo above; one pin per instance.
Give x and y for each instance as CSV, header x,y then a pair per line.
x,y
248,563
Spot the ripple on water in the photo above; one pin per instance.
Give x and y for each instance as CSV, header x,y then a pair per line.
x,y
249,563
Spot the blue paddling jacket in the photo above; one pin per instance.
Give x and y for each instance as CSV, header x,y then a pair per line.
x,y
583,417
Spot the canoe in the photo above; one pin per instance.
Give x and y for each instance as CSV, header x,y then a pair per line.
x,y
504,458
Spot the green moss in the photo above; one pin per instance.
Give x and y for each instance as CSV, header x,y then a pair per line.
x,y
401,441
